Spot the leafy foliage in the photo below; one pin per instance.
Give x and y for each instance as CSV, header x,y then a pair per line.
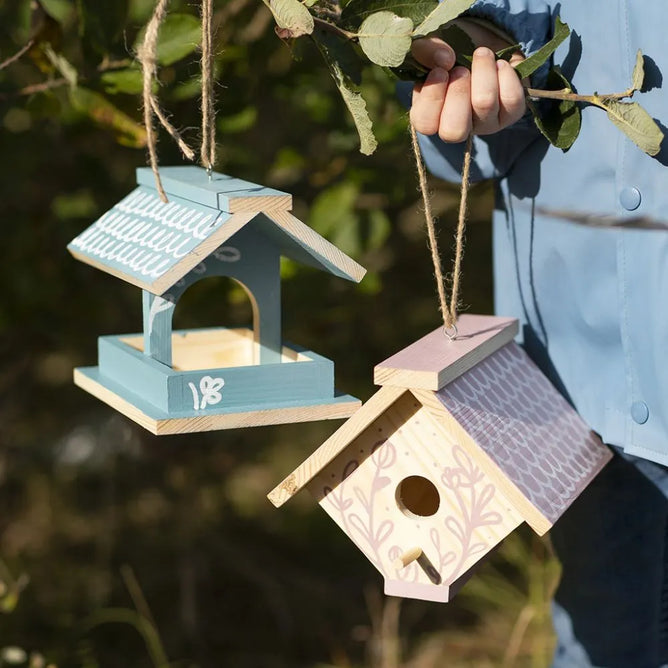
x,y
385,30
562,121
536,60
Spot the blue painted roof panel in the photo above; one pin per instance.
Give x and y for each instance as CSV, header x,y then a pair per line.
x,y
142,238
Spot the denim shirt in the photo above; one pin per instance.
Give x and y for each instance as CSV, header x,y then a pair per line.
x,y
581,238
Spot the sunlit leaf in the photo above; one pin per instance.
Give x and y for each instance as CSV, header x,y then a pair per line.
x,y
356,11
179,36
331,51
561,123
447,10
386,38
638,76
635,123
292,17
239,122
533,62
128,81
127,131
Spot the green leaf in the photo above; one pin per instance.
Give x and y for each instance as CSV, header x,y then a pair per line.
x,y
343,52
127,131
533,62
461,44
448,10
386,38
292,17
101,23
239,122
333,216
635,123
128,81
180,35
356,11
638,76
562,122
330,51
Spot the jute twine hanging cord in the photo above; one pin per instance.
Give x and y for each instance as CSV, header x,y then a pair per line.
x,y
147,56
448,311
208,150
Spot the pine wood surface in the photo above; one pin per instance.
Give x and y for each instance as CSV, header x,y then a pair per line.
x,y
362,489
214,348
138,411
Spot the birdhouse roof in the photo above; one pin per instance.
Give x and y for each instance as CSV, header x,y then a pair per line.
x,y
153,244
531,439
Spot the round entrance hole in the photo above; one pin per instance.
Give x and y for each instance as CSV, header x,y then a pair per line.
x,y
417,496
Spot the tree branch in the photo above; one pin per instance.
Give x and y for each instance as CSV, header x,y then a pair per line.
x,y
566,94
17,55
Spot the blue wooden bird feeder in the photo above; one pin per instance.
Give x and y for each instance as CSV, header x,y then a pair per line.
x,y
204,379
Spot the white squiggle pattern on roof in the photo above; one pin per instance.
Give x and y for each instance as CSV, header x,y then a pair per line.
x,y
514,413
144,237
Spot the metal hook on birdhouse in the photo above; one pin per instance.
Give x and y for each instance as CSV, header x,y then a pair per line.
x,y
209,170
451,332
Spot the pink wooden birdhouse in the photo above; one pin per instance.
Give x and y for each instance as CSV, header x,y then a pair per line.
x,y
465,440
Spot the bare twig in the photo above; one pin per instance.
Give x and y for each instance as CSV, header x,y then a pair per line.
x,y
566,94
17,55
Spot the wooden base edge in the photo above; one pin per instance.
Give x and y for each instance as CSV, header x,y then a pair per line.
x,y
338,408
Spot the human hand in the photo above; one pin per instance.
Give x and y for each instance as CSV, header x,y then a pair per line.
x,y
454,101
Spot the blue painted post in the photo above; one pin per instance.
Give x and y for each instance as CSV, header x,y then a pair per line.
x,y
158,312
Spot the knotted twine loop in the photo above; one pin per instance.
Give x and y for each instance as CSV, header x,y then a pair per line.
x,y
208,150
448,311
147,56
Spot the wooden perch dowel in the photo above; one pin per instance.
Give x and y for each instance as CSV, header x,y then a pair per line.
x,y
407,557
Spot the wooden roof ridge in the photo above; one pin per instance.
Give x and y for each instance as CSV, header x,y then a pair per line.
x,y
219,191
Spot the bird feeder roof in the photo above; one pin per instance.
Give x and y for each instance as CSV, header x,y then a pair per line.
x,y
153,244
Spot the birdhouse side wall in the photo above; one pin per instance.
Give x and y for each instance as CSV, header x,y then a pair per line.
x,y
365,491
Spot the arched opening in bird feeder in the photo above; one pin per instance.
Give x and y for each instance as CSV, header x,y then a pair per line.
x,y
229,335
214,301
417,496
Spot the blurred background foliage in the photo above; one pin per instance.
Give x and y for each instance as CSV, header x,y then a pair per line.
x,y
121,549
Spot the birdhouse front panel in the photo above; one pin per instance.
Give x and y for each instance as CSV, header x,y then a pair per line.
x,y
413,499
529,430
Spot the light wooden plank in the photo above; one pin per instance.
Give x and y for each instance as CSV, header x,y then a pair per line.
x,y
333,259
337,442
341,407
433,361
531,515
256,203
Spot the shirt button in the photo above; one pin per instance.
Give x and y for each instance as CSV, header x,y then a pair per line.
x,y
640,412
630,198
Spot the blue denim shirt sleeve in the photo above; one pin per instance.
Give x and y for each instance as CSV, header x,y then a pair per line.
x,y
530,23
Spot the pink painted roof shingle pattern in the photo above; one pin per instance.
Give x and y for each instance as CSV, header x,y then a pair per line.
x,y
519,419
